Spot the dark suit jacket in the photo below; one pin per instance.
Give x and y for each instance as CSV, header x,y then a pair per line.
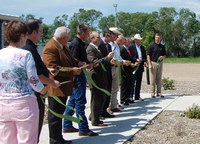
x,y
98,74
127,70
134,52
55,57
104,52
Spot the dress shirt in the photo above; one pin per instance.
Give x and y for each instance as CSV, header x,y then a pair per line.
x,y
139,51
96,47
116,50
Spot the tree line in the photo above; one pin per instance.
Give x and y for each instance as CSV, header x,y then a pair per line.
x,y
180,30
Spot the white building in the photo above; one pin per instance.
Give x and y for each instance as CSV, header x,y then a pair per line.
x,y
4,18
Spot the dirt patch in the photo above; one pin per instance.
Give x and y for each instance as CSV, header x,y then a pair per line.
x,y
169,127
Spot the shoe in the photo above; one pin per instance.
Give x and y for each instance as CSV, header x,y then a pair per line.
x,y
130,101
71,130
120,106
109,111
159,95
116,110
90,133
107,115
125,103
100,124
153,96
66,141
140,99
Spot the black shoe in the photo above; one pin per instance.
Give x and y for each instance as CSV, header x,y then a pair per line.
x,y
140,99
107,115
66,141
90,133
159,95
116,110
153,96
125,103
130,101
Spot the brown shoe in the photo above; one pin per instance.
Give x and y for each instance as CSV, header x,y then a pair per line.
x,y
90,133
71,130
100,124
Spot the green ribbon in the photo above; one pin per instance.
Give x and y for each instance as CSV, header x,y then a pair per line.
x,y
71,118
62,69
136,69
159,59
90,80
103,67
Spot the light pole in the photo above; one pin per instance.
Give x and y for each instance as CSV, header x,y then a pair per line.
x,y
115,5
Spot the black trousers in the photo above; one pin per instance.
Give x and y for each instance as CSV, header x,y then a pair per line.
x,y
41,113
107,99
136,84
125,87
97,100
55,123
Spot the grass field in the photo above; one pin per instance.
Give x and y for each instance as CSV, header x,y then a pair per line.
x,y
183,60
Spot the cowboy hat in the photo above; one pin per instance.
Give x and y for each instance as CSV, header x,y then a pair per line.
x,y
137,36
115,30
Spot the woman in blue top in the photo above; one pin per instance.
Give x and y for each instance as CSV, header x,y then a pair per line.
x,y
18,78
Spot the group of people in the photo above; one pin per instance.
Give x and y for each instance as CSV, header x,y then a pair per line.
x,y
111,61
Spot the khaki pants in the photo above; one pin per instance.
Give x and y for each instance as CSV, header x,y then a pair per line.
x,y
156,78
115,88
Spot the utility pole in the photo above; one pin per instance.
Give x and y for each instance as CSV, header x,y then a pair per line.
x,y
115,5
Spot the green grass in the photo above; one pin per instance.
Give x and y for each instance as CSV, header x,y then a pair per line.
x,y
183,60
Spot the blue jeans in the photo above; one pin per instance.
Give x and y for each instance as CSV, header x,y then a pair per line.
x,y
78,100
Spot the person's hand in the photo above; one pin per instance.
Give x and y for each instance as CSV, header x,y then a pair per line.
x,y
80,63
127,62
56,84
90,65
110,55
113,61
53,72
161,58
95,65
145,64
76,71
132,65
138,60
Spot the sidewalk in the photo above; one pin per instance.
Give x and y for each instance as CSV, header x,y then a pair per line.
x,y
130,121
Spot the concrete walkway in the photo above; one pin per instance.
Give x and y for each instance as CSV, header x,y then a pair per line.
x,y
130,121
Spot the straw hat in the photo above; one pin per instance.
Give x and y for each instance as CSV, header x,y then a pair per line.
x,y
137,36
115,30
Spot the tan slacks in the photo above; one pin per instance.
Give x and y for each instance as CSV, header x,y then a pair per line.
x,y
156,78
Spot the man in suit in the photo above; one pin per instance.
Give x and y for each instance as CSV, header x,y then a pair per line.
x,y
139,55
56,55
105,49
99,76
127,73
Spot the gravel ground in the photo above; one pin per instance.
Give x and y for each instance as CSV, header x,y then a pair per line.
x,y
169,127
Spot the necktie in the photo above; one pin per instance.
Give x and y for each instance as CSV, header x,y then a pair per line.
x,y
107,47
129,52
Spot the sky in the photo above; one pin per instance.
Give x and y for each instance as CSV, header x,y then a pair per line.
x,y
49,9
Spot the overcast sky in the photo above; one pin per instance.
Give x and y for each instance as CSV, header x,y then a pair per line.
x,y
49,9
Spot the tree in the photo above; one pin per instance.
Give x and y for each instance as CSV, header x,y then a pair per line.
x,y
89,17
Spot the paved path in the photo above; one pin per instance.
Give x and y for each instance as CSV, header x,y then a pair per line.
x,y
130,121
